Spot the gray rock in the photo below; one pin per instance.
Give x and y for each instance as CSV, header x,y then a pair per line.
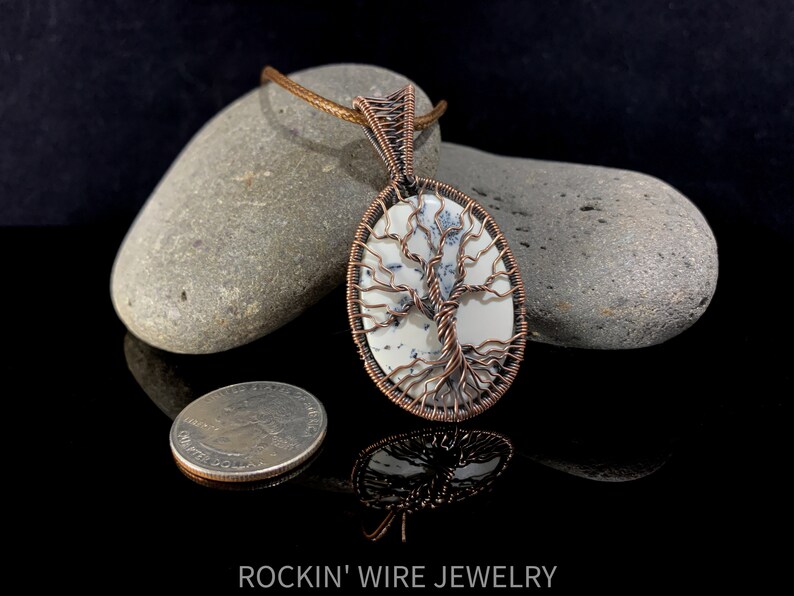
x,y
253,221
610,258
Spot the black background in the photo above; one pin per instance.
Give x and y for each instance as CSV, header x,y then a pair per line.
x,y
96,100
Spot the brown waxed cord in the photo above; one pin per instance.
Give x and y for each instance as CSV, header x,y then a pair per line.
x,y
331,107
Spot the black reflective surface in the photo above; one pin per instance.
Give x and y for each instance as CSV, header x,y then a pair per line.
x,y
659,467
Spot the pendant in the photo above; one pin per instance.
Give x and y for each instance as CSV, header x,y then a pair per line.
x,y
434,295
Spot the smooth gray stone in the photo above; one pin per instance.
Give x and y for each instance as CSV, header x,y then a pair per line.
x,y
610,258
253,221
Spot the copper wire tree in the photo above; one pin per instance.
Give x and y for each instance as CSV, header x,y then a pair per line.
x,y
457,379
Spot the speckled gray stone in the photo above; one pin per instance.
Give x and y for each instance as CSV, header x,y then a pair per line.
x,y
253,221
610,258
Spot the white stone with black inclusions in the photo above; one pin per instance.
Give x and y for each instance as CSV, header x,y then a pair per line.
x,y
411,343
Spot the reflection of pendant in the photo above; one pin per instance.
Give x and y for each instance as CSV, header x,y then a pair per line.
x,y
434,295
427,469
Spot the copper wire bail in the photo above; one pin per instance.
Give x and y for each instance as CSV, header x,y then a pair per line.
x,y
390,128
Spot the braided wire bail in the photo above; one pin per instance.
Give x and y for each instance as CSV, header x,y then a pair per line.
x,y
390,128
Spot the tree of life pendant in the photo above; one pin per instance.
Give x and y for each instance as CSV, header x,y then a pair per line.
x,y
434,295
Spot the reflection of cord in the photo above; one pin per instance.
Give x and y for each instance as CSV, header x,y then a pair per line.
x,y
331,107
384,526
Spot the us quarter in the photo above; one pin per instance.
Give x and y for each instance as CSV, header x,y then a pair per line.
x,y
248,432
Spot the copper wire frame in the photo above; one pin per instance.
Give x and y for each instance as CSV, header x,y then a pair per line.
x,y
391,131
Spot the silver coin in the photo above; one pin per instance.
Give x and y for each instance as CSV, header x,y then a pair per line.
x,y
248,432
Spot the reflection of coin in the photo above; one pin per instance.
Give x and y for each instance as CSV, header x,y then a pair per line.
x,y
248,432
